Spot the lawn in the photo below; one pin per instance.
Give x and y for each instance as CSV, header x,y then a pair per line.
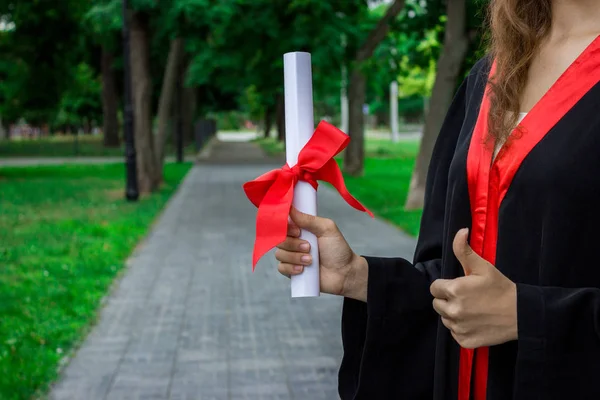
x,y
69,146
384,186
65,232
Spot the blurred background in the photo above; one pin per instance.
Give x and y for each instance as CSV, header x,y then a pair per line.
x,y
107,105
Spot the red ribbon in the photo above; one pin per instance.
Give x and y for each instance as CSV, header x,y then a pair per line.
x,y
273,192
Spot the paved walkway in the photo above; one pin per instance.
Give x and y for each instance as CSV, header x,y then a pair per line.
x,y
189,320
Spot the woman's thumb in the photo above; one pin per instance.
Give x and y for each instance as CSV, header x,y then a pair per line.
x,y
314,224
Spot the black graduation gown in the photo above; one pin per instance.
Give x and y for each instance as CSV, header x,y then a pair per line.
x,y
534,213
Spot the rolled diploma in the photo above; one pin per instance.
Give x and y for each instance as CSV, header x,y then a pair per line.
x,y
299,127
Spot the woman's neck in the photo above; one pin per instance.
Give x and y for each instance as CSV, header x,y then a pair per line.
x,y
574,18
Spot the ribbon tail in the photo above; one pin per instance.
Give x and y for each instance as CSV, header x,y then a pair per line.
x,y
272,217
330,172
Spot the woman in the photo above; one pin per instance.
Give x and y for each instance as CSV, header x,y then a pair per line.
x,y
508,308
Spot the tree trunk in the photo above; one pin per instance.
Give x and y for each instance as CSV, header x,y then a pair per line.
x,y
456,43
149,178
110,126
355,152
189,111
280,117
269,111
167,98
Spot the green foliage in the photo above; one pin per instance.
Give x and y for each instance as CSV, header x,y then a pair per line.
x,y
42,48
247,40
234,49
104,21
82,100
253,103
64,235
412,107
228,120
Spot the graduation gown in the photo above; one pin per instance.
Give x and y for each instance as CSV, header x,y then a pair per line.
x,y
534,213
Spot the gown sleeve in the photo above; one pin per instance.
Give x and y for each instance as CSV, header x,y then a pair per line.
x,y
389,341
558,342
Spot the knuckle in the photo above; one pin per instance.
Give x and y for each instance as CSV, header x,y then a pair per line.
x,y
286,244
286,256
451,289
455,289
447,323
278,253
298,258
433,288
460,330
281,268
455,311
465,340
329,225
460,339
468,343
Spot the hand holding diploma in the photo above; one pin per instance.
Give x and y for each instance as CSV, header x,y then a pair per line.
x,y
341,272
309,158
273,192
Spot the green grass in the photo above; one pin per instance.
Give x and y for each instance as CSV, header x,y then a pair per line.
x,y
67,146
65,232
384,186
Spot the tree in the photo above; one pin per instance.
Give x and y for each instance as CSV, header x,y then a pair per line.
x,y
104,21
149,177
355,152
110,126
167,97
449,66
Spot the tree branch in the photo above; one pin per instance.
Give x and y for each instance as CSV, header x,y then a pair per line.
x,y
379,32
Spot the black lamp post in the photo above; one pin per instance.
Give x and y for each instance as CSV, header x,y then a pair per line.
x,y
131,188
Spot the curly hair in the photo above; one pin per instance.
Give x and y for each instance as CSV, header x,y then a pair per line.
x,y
516,29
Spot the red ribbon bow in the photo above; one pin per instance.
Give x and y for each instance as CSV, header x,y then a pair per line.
x,y
273,192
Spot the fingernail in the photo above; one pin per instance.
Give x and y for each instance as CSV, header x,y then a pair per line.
x,y
306,259
304,247
296,232
297,268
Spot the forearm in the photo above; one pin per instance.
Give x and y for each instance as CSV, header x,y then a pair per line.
x,y
356,280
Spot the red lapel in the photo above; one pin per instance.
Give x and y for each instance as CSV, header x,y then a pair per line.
x,y
489,181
